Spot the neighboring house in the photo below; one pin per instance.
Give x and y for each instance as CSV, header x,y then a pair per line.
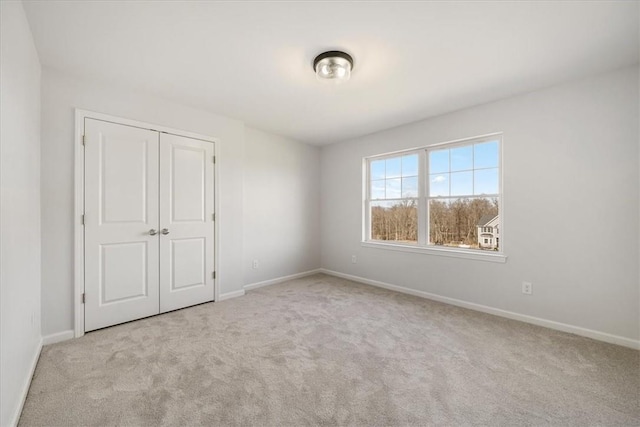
x,y
489,232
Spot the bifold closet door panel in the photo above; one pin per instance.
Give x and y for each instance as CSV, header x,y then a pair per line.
x,y
121,223
186,222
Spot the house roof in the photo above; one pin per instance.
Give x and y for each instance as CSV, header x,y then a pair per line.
x,y
485,219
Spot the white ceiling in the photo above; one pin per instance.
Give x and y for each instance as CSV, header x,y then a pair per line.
x,y
252,60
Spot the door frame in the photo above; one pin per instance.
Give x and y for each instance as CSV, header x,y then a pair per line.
x,y
78,227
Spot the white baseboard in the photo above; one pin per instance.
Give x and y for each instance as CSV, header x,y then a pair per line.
x,y
57,337
230,295
24,390
256,285
281,279
577,330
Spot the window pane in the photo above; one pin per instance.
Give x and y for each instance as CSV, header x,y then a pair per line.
x,y
394,168
460,222
377,169
439,185
486,181
410,165
438,161
462,158
395,221
393,188
410,187
462,183
377,189
486,155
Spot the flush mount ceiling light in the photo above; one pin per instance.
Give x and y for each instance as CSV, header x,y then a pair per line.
x,y
334,66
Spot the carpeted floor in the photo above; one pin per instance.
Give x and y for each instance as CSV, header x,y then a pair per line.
x,y
325,351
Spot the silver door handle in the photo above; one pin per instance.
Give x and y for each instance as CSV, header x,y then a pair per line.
x,y
153,232
165,231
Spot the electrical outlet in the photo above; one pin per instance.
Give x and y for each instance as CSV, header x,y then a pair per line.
x,y
527,288
353,259
255,263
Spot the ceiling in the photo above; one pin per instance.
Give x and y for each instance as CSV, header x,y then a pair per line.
x,y
252,60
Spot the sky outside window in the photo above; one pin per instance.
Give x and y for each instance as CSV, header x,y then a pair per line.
x,y
464,171
394,177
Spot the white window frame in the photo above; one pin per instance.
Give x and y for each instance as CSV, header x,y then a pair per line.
x,y
423,198
367,201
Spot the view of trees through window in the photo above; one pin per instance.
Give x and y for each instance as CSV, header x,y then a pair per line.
x,y
458,222
396,221
461,197
451,223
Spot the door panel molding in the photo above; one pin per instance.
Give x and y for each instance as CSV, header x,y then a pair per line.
x,y
79,204
108,296
137,214
179,282
191,159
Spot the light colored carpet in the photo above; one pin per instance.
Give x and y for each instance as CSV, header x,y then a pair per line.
x,y
325,351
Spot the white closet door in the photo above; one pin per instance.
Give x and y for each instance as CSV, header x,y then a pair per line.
x,y
186,222
121,214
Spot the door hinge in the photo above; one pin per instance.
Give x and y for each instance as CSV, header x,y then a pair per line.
x,y
84,139
213,274
82,219
214,159
213,216
83,297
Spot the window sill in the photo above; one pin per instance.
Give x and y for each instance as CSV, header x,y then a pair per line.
x,y
450,252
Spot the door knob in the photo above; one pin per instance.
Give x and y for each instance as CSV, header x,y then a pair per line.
x,y
153,232
165,231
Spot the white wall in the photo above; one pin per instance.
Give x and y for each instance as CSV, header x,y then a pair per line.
x,y
570,178
281,206
20,209
60,95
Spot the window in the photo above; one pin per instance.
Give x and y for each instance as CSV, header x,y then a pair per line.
x,y
394,198
442,197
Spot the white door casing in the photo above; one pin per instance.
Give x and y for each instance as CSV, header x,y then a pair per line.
x,y
121,207
186,222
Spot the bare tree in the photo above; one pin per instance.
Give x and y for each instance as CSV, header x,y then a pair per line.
x,y
451,222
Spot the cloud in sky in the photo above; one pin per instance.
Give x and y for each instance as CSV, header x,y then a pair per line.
x,y
439,178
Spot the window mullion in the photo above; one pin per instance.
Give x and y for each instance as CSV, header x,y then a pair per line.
x,y
423,206
366,227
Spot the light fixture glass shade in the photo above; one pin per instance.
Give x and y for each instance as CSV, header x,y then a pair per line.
x,y
334,66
